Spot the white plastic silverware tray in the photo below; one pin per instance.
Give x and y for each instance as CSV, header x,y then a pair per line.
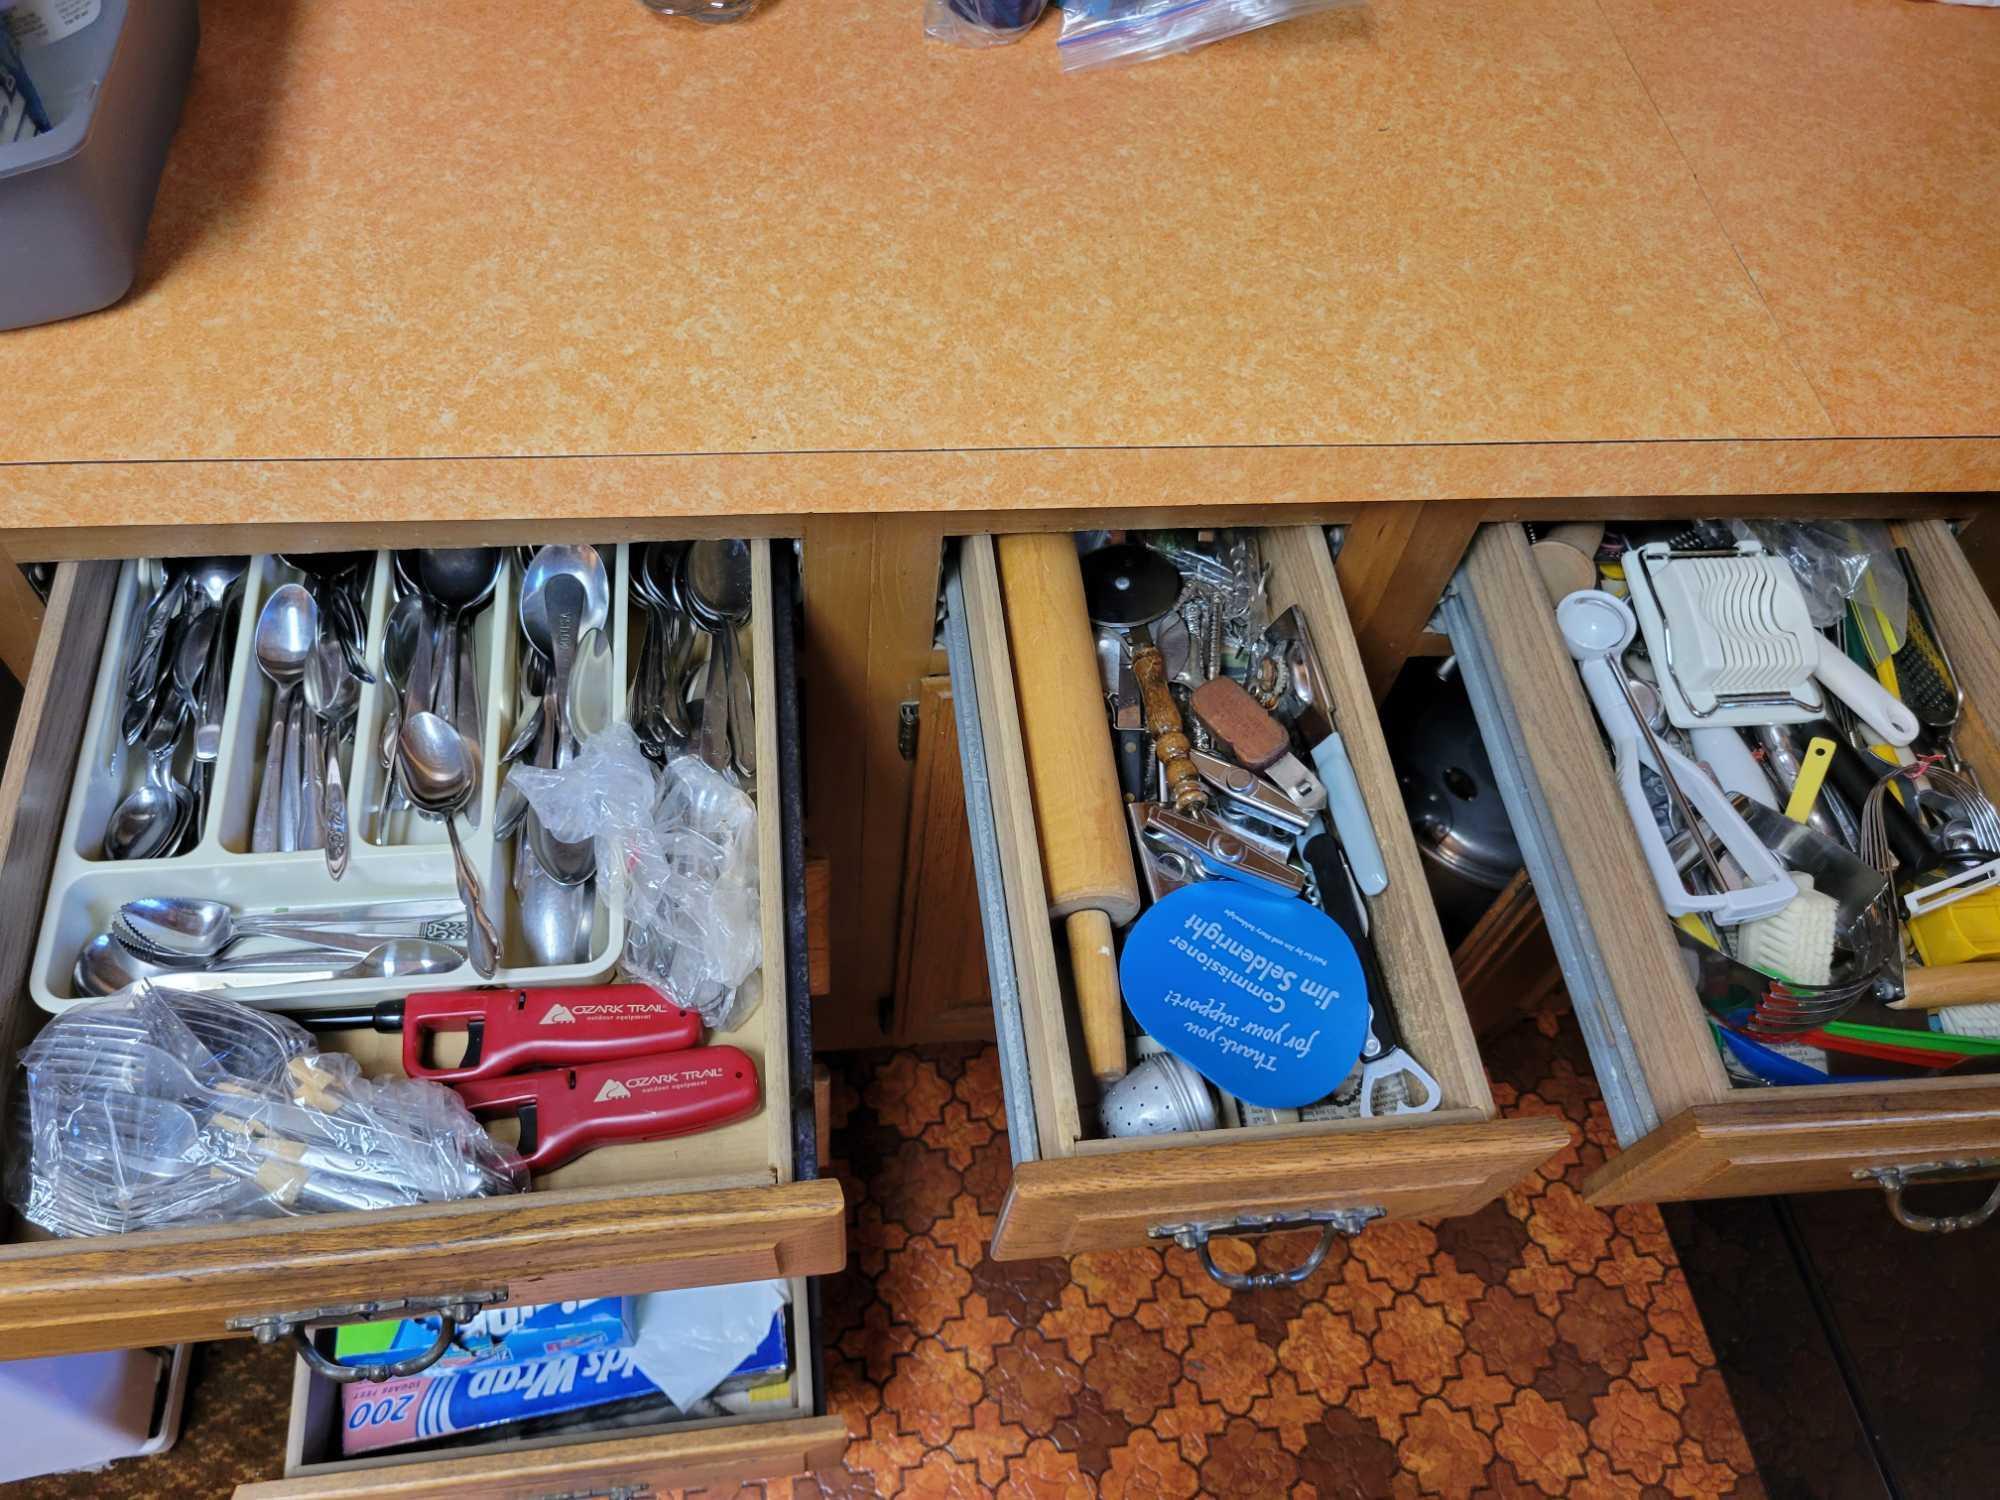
x,y
412,862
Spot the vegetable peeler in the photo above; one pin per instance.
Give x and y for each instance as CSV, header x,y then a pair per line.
x,y
565,1112
507,1030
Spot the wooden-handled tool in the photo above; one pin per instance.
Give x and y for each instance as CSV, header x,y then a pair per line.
x,y
1079,810
1128,586
1163,721
1257,740
1950,984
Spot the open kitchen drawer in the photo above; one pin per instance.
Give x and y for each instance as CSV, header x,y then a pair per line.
x,y
779,1438
725,1205
1686,1131
1074,1190
671,1459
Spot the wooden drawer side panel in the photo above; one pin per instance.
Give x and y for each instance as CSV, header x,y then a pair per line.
x,y
1045,1021
1616,897
1971,631
1404,921
34,790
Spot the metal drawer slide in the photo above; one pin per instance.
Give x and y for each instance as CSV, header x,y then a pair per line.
x,y
1623,1081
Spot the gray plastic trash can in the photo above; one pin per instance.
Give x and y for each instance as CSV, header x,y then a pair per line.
x,y
74,202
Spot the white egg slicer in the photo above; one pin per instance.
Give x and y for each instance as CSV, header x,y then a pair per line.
x,y
1733,645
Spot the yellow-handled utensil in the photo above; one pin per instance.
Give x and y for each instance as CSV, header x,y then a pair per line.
x,y
1812,773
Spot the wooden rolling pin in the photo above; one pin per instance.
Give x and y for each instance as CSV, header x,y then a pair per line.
x,y
1948,984
1079,809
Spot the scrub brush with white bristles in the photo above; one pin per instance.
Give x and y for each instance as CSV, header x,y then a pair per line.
x,y
1796,943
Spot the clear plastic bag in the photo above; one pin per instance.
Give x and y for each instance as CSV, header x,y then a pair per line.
x,y
981,23
688,1341
1836,561
153,1109
679,846
1106,33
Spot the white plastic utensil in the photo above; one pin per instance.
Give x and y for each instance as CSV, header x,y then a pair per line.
x,y
1734,644
1596,627
1872,703
1724,752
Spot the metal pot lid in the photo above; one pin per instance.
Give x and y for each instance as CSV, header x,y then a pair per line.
x,y
1448,787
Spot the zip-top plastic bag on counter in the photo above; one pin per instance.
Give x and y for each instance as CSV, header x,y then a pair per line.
x,y
981,23
1109,33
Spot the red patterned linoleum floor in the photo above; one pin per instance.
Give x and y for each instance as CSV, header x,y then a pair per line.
x,y
1536,1348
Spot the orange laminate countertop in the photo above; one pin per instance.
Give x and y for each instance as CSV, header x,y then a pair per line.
x,y
472,260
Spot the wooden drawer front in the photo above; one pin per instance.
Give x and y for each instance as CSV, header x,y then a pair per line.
x,y
1687,1132
1074,1191
636,1468
723,1206
788,1436
1105,1200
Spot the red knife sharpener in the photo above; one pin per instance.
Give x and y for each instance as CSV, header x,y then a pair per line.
x,y
509,1030
565,1112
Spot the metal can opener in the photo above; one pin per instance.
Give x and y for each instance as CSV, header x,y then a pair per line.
x,y
1179,849
1254,795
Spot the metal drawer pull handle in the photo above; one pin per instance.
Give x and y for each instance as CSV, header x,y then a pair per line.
x,y
347,1374
1333,1221
1892,1181
269,1328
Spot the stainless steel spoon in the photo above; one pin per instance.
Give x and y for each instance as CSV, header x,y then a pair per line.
x,y
287,627
587,703
550,912
565,592
148,822
569,863
335,579
587,568
399,653
331,693
441,775
676,701
191,660
192,928
212,582
107,966
403,639
459,581
715,579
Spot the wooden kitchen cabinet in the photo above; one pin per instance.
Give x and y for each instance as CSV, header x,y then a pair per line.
x,y
1627,293
942,992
